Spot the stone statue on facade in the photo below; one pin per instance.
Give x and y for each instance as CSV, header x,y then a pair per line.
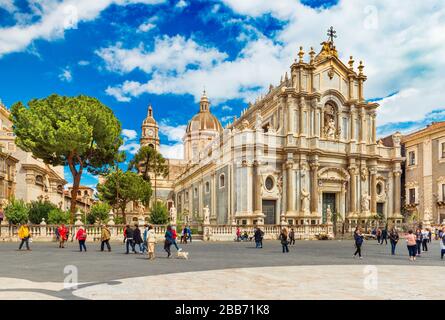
x,y
330,129
305,201
259,121
364,173
365,202
206,215
328,214
173,214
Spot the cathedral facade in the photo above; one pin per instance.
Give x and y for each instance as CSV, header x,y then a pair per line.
x,y
301,154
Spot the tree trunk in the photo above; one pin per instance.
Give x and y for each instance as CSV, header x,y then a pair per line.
x,y
76,183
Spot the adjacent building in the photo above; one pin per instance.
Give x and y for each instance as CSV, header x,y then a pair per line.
x,y
425,173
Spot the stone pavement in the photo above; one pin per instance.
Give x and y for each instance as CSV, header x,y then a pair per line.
x,y
312,270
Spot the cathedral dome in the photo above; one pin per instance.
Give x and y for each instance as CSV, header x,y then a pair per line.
x,y
204,120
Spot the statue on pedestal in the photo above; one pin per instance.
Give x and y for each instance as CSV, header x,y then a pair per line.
x,y
330,128
328,214
305,201
365,202
206,215
173,214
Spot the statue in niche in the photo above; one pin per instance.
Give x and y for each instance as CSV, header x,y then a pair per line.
x,y
305,201
365,202
330,125
328,214
173,214
330,128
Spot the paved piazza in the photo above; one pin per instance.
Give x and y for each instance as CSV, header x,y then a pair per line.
x,y
312,270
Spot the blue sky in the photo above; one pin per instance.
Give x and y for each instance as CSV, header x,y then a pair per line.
x,y
129,53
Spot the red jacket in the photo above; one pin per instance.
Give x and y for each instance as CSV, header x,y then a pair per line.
x,y
81,234
62,232
174,236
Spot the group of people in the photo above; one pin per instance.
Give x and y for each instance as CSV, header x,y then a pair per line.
x,y
416,242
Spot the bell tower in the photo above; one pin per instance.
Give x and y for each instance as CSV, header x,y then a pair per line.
x,y
150,131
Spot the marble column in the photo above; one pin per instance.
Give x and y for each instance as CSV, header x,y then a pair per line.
x,y
373,172
352,190
290,200
397,193
258,184
314,187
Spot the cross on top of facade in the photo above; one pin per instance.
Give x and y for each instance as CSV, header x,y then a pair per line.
x,y
332,34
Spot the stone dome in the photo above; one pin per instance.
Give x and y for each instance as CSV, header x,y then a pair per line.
x,y
204,119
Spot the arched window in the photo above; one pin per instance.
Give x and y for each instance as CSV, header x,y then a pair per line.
x,y
85,193
207,187
39,179
222,181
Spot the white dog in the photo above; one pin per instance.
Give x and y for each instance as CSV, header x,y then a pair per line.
x,y
183,255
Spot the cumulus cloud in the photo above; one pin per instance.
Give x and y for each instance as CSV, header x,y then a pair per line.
x,y
66,75
8,5
181,4
174,151
130,147
173,133
50,20
129,134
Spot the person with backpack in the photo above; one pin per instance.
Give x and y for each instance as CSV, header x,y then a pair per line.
x,y
258,235
358,241
284,240
105,238
128,239
168,240
393,239
292,237
411,243
24,235
81,236
419,240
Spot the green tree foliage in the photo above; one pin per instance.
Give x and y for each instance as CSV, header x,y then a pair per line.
x,y
78,132
120,188
99,212
158,213
57,216
150,163
38,210
17,212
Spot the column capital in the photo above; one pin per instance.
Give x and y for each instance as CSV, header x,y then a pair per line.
x,y
353,170
314,165
289,164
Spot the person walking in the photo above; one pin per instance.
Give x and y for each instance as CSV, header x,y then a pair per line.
x,y
378,235
24,236
144,238
128,239
174,237
168,240
358,241
62,230
258,238
137,238
81,236
184,235
238,234
425,237
393,239
419,239
292,236
284,240
384,236
151,241
442,245
189,233
105,238
411,243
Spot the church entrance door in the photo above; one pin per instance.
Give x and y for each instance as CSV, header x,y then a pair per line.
x,y
269,207
328,200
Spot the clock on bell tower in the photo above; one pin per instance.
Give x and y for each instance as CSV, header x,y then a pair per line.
x,y
150,129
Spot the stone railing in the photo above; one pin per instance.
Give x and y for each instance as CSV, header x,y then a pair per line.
x,y
47,233
271,232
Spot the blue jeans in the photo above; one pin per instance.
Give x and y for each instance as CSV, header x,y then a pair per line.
x,y
442,252
393,247
129,243
285,247
175,244
418,246
82,245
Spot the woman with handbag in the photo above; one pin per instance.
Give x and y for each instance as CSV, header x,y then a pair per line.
x,y
168,240
284,240
81,236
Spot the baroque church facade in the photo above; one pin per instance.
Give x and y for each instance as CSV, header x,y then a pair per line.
x,y
303,152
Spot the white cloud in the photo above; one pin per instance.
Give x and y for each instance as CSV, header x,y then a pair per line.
x,y
181,4
66,75
145,27
131,147
173,133
8,5
280,9
83,63
175,151
129,134
51,18
170,55
226,108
